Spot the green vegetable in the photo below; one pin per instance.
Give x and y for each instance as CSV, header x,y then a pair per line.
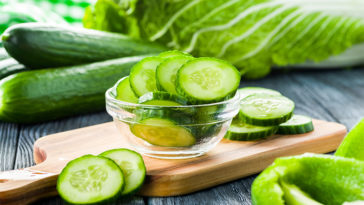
x,y
253,35
124,91
162,99
246,91
206,80
46,94
244,132
353,144
3,54
10,66
325,179
132,165
298,124
45,45
174,53
90,180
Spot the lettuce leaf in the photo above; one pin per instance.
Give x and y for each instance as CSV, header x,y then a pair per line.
x,y
254,35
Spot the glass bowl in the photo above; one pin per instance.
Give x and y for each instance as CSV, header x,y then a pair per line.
x,y
172,132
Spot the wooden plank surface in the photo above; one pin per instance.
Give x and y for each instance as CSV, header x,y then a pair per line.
x,y
333,95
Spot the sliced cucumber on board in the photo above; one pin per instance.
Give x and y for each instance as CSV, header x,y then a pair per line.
x,y
206,80
142,76
124,91
132,165
166,72
245,132
173,53
90,180
246,91
162,99
265,110
163,132
298,124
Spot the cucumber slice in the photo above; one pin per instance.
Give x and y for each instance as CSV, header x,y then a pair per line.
x,y
166,72
162,99
162,132
90,180
245,92
245,132
124,91
206,80
142,75
174,53
132,165
265,110
298,124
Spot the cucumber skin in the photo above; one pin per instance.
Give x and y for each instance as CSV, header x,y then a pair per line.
x,y
39,45
290,130
10,66
250,136
48,94
106,201
265,122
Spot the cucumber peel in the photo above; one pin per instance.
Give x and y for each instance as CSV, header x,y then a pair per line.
x,y
244,132
298,124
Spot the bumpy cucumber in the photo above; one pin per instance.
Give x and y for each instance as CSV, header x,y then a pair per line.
x,y
39,45
10,66
265,110
132,165
166,72
163,132
174,53
90,180
162,99
46,94
124,91
206,80
298,124
245,92
245,132
142,76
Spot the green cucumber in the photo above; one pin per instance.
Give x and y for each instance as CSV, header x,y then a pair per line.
x,y
173,53
10,66
163,132
245,132
132,165
124,91
245,92
162,99
166,72
206,80
90,180
38,45
142,76
265,110
47,94
298,124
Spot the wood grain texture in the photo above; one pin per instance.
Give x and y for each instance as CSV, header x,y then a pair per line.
x,y
340,92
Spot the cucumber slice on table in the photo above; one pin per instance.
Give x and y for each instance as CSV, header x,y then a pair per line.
x,y
142,75
298,124
90,180
206,80
124,91
132,165
163,132
173,53
245,92
162,99
245,132
166,72
265,110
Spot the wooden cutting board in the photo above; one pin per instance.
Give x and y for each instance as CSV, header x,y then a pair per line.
x,y
228,161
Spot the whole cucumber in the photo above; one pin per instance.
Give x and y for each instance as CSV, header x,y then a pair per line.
x,y
47,94
10,66
39,45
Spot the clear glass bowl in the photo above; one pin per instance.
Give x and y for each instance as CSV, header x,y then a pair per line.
x,y
172,132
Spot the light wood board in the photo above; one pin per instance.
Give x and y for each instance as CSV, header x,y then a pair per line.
x,y
228,161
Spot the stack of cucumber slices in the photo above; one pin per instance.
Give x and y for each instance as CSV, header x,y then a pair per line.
x,y
94,179
265,112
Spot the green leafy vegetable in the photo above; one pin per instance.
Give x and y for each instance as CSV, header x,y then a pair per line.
x,y
254,35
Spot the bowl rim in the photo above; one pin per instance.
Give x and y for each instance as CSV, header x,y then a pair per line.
x,y
109,97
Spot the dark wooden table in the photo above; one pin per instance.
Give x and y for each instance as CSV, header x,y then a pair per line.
x,y
333,95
